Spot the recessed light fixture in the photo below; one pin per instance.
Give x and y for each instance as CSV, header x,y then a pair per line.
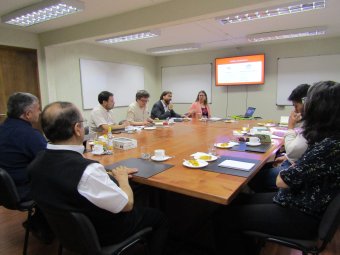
x,y
295,7
174,48
130,37
287,34
42,11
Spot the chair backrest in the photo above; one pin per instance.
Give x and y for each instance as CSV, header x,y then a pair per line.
x,y
74,231
9,196
330,220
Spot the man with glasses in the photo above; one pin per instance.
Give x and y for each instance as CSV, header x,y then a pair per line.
x,y
102,116
74,183
138,113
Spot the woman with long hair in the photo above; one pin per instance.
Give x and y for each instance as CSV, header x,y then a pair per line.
x,y
200,108
305,188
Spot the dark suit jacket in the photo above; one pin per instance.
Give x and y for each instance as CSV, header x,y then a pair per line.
x,y
158,112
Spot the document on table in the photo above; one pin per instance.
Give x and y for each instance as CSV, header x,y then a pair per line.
x,y
239,165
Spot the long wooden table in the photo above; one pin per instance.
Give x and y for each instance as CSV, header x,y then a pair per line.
x,y
181,140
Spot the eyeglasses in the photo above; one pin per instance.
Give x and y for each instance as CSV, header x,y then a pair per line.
x,y
144,100
303,100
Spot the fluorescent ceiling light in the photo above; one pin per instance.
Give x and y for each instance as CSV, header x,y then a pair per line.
x,y
295,7
174,48
287,34
130,37
42,11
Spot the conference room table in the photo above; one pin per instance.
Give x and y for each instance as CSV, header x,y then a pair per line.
x,y
179,141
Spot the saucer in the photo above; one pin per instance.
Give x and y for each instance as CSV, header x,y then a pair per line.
x,y
149,128
253,144
154,158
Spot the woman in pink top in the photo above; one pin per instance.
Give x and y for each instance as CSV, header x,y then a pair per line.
x,y
200,107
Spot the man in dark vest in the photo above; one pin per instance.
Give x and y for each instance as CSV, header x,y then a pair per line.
x,y
62,179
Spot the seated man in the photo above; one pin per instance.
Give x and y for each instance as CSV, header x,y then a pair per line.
x,y
72,182
163,108
19,140
138,113
102,116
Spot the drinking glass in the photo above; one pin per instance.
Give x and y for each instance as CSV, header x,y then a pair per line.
x,y
212,150
145,152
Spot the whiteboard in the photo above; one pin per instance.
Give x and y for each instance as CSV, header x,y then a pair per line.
x,y
295,71
120,79
186,81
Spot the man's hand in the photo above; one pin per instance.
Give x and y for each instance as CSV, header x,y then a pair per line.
x,y
170,107
122,173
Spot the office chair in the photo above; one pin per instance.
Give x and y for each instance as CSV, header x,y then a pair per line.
x,y
327,228
10,199
77,234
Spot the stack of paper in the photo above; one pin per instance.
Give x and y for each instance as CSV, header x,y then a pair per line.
x,y
239,165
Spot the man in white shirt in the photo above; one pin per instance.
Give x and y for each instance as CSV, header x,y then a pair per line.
x,y
138,113
74,183
102,116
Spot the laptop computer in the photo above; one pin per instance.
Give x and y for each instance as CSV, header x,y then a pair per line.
x,y
249,113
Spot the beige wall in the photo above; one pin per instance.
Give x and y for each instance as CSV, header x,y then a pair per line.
x,y
60,76
63,73
234,100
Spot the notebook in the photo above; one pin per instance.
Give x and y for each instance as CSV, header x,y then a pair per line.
x,y
239,165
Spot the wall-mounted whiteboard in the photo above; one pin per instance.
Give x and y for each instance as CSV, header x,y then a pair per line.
x,y
295,71
186,81
120,79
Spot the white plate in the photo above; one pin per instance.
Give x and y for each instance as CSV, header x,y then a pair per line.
x,y
270,125
219,145
212,157
160,159
149,128
201,163
253,144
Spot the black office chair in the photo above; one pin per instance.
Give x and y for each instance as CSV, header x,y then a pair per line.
x,y
10,199
77,234
327,228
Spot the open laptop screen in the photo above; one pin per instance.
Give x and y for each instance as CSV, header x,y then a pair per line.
x,y
249,113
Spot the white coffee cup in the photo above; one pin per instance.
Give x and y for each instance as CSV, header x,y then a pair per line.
x,y
254,139
159,154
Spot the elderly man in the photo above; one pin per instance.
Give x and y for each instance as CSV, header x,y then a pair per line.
x,y
19,140
82,185
163,108
102,116
138,113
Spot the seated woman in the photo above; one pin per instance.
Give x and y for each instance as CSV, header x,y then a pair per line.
x,y
306,187
200,107
294,142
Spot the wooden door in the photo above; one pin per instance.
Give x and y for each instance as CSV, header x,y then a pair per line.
x,y
18,73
